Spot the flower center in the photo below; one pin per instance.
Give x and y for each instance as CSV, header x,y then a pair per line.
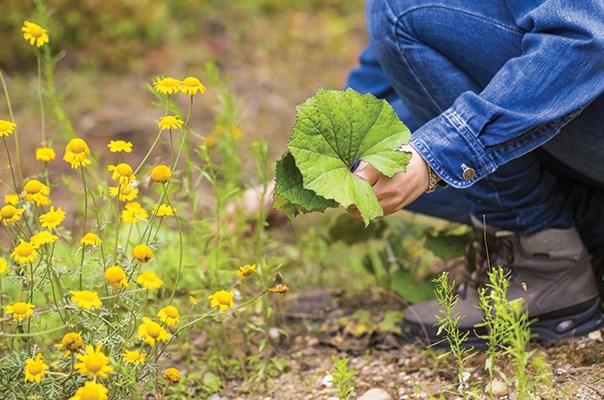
x,y
8,212
87,296
153,329
33,186
36,31
89,393
224,298
35,367
78,146
94,363
124,169
20,308
24,250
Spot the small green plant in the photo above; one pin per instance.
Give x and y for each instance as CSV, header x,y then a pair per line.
x,y
448,322
342,378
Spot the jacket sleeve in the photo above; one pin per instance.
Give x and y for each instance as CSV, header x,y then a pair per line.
x,y
559,72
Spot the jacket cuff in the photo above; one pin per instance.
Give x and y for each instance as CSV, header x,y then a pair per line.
x,y
451,149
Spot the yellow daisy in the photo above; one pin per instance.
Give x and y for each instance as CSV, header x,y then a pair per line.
x,y
163,210
126,192
280,289
86,299
245,271
222,299
11,199
20,310
172,375
142,253
193,300
93,362
167,85
133,212
3,266
169,315
76,153
149,280
161,174
91,391
35,369
24,253
45,154
152,332
122,172
134,357
41,238
7,128
91,239
117,146
170,122
192,85
36,191
72,342
34,33
10,214
52,218
116,277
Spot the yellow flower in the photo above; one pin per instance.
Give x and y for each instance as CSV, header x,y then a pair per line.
x,y
142,253
122,172
161,174
45,154
10,214
192,85
167,85
172,375
3,266
151,332
34,33
127,192
86,299
7,128
193,300
134,357
76,153
41,238
210,140
20,310
280,289
116,277
169,315
93,362
91,391
245,271
52,218
149,280
72,342
12,199
117,146
24,253
170,122
91,239
35,369
163,210
133,212
34,190
222,299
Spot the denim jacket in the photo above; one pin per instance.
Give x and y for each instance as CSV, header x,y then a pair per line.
x,y
558,74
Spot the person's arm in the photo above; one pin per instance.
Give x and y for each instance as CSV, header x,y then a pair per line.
x,y
560,71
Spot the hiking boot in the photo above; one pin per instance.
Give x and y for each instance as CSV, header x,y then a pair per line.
x,y
550,269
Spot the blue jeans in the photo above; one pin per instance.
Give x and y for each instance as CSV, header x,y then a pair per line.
x,y
442,49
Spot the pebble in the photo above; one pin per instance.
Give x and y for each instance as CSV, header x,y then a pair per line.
x,y
327,381
376,394
596,336
499,388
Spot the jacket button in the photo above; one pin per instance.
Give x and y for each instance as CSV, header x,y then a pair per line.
x,y
468,173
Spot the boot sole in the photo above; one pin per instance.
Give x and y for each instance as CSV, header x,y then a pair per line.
x,y
548,329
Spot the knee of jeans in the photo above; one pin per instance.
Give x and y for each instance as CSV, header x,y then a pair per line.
x,y
388,21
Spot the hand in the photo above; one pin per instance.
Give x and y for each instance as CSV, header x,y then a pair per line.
x,y
399,191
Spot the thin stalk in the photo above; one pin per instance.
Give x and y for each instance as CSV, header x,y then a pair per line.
x,y
180,245
83,223
10,163
12,118
40,99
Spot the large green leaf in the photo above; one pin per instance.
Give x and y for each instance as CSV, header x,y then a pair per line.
x,y
290,197
333,130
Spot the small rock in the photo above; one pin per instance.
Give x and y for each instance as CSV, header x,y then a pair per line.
x,y
498,387
376,394
327,381
596,336
274,333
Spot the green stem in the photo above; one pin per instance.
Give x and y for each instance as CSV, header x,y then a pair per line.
x,y
180,245
10,163
40,99
84,223
12,118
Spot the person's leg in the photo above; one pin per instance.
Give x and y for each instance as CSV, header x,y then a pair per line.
x,y
433,51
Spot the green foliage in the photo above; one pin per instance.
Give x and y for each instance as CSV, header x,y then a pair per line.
x,y
342,378
333,130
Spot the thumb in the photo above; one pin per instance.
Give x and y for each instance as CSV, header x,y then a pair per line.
x,y
367,172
